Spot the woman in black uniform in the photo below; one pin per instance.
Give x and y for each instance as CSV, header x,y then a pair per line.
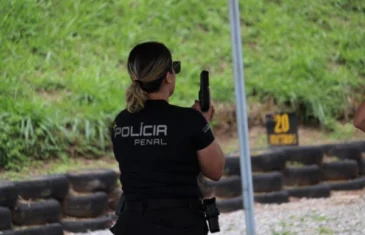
x,y
161,149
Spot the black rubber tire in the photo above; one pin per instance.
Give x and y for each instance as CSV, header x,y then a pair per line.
x,y
232,186
7,232
329,148
362,167
267,162
307,155
37,213
232,166
93,180
348,151
301,176
85,206
9,194
230,204
356,184
326,148
226,188
85,225
49,229
314,191
267,182
47,186
273,197
358,144
341,170
5,219
345,151
114,197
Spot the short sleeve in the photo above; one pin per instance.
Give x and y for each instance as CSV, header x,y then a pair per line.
x,y
202,134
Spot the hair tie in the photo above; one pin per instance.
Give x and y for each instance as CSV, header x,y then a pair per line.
x,y
138,82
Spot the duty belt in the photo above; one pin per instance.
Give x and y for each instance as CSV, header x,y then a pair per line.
x,y
151,204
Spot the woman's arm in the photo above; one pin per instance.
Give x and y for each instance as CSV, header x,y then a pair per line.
x,y
359,119
212,160
210,155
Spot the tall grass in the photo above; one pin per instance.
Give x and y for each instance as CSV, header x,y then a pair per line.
x,y
63,76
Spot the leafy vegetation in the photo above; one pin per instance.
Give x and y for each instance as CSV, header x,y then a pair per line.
x,y
63,76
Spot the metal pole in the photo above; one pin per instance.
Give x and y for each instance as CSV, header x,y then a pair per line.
x,y
242,124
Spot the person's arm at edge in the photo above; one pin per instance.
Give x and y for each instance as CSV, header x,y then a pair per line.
x,y
359,119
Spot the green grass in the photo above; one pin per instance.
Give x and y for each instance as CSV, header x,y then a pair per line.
x,y
63,76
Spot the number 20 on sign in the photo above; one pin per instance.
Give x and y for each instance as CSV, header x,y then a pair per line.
x,y
281,123
282,129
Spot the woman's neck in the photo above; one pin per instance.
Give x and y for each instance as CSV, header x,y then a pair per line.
x,y
158,96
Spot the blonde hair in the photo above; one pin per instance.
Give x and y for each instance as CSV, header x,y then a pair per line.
x,y
136,97
148,64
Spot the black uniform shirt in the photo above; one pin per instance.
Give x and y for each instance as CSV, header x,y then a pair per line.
x,y
157,150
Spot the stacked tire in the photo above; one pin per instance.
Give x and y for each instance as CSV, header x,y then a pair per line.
x,y
33,206
86,207
267,182
289,173
346,170
52,204
302,174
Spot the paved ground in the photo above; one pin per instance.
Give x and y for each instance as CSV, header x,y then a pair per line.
x,y
341,214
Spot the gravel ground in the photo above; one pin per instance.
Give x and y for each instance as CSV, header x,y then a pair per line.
x,y
343,214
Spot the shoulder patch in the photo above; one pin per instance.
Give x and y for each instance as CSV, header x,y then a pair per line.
x,y
206,128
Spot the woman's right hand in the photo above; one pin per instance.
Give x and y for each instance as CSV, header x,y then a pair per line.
x,y
208,114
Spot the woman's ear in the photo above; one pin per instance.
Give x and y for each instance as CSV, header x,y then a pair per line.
x,y
169,78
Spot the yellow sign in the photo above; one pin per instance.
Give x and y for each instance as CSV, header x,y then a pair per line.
x,y
282,129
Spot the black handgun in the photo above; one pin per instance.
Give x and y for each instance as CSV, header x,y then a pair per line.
x,y
204,94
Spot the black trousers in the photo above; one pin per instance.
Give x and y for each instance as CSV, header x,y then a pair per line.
x,y
169,220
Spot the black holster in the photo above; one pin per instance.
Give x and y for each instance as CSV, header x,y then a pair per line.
x,y
118,210
120,205
211,214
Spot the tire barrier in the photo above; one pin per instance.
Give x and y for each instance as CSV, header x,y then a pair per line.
x,y
230,204
351,151
301,176
313,191
272,197
8,194
312,176
84,225
5,221
86,201
340,170
114,197
267,182
327,148
55,186
37,213
236,203
92,181
232,186
85,206
48,229
226,188
355,184
266,162
54,204
306,155
232,166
